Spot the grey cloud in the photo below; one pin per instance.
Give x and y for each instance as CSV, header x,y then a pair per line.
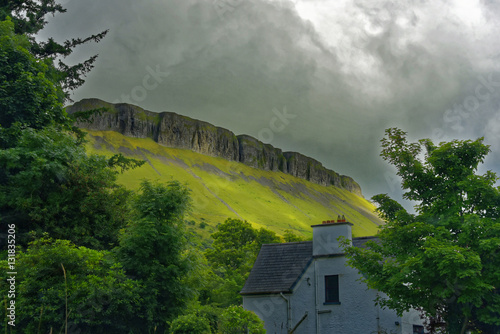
x,y
348,73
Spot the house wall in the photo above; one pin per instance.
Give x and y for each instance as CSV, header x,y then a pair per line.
x,y
271,309
303,300
409,319
355,314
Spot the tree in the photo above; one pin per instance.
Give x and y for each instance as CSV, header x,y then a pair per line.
x,y
49,184
232,244
64,284
237,320
444,259
236,244
234,250
289,236
29,17
28,94
190,324
152,249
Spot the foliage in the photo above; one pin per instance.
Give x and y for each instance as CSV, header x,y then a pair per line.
x,y
48,184
152,250
234,250
190,324
445,258
289,236
237,320
222,288
28,17
215,320
265,236
233,245
27,91
212,314
100,299
237,243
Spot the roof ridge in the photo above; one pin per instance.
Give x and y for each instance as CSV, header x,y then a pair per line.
x,y
288,243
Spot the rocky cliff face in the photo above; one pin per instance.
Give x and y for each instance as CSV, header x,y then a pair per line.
x,y
259,155
177,131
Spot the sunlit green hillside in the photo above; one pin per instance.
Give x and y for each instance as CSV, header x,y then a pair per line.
x,y
222,189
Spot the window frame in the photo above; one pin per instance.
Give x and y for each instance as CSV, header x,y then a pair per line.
x,y
332,290
418,329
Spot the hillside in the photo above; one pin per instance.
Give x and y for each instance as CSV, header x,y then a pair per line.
x,y
172,130
222,188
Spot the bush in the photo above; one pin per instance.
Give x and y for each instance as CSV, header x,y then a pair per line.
x,y
237,320
57,274
190,324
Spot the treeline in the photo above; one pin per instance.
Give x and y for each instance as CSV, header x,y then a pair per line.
x,y
152,281
90,255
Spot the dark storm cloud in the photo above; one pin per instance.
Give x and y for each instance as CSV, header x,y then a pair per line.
x,y
343,71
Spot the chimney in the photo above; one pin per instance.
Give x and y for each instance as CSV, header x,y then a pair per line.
x,y
325,236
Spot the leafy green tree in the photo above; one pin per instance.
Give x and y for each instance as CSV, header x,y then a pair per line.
x,y
152,249
65,284
236,244
289,236
234,250
444,259
233,244
29,17
190,324
237,320
27,92
49,184
265,236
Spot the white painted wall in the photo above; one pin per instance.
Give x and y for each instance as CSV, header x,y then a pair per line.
x,y
356,313
325,238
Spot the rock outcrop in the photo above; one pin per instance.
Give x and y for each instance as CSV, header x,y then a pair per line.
x,y
177,131
259,155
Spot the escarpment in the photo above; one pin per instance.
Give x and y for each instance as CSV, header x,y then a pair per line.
x,y
177,131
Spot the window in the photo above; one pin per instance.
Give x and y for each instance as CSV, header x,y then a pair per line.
x,y
332,289
418,329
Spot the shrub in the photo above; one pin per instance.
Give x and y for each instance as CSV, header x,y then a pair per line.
x,y
237,320
190,324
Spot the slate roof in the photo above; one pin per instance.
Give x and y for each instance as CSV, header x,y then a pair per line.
x,y
279,266
360,242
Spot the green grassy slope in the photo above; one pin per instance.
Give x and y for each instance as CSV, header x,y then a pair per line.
x,y
222,189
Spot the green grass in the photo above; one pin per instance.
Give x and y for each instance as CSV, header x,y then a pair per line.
x,y
223,189
143,116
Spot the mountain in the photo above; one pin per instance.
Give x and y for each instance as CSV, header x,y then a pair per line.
x,y
229,175
177,131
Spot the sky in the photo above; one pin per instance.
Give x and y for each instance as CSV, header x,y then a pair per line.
x,y
323,78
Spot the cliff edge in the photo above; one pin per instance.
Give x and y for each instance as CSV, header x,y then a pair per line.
x,y
177,131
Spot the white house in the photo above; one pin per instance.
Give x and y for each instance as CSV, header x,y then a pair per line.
x,y
308,288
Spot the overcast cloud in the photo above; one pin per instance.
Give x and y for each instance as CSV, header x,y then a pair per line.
x,y
346,70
